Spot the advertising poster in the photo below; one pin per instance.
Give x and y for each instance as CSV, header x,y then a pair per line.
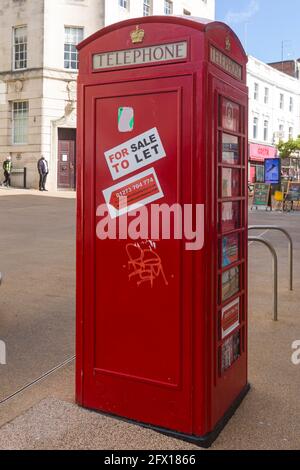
x,y
230,182
230,283
230,116
230,351
230,250
231,216
230,318
230,149
261,194
272,170
293,192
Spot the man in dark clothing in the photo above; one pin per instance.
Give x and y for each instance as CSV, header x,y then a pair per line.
x,y
43,172
7,167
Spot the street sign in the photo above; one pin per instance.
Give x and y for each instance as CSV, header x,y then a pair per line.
x,y
272,170
262,195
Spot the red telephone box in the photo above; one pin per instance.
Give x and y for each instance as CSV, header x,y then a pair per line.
x,y
162,224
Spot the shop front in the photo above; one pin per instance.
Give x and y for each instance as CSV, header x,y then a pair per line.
x,y
257,155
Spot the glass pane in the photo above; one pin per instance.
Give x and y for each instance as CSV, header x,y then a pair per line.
x,y
231,351
230,116
231,186
230,250
231,216
230,149
230,283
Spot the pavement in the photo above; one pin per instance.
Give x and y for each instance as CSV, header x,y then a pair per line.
x,y
37,302
44,415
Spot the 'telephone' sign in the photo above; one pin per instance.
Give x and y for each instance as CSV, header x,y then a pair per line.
x,y
144,55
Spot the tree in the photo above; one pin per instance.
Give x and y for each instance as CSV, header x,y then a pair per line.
x,y
287,149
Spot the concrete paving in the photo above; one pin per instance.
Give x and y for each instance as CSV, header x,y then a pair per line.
x,y
44,416
37,304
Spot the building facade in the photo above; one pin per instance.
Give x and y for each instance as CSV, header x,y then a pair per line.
x,y
274,113
38,72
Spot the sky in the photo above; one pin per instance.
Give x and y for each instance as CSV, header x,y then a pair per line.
x,y
263,26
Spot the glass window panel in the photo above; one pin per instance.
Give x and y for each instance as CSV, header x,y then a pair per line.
x,y
20,122
230,249
230,149
231,351
20,48
230,116
73,36
231,184
231,216
230,283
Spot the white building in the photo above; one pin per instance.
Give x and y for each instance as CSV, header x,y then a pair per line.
x,y
274,112
38,71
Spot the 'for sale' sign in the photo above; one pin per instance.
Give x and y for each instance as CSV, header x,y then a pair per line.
x,y
134,154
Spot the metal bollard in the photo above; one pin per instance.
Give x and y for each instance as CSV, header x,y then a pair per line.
x,y
291,245
275,273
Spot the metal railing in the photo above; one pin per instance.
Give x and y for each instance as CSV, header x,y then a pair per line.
x,y
275,259
275,272
291,246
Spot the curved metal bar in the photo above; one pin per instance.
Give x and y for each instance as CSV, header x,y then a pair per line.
x,y
291,245
275,272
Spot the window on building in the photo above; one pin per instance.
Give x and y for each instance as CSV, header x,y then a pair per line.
x,y
147,8
20,48
168,7
291,133
256,91
266,98
20,122
281,132
291,107
73,36
186,12
124,4
255,127
281,101
266,130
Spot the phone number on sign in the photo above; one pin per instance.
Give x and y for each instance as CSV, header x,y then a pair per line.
x,y
134,187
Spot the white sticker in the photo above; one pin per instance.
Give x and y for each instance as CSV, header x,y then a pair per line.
x,y
134,154
133,193
230,318
125,119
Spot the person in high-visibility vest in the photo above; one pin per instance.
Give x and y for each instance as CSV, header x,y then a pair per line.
x,y
7,167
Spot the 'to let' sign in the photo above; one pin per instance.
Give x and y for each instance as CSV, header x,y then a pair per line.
x,y
134,154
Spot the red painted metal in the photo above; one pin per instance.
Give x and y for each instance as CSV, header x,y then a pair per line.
x,y
152,351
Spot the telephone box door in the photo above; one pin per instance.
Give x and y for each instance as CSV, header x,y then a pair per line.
x,y
137,362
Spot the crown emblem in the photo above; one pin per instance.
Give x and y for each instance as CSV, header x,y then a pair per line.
x,y
137,35
228,44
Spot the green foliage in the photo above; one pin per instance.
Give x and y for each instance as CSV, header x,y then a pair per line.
x,y
287,149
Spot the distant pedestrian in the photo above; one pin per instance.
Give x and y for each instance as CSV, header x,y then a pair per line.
x,y
7,167
43,170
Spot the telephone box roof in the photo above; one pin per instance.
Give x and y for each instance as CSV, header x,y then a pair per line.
x,y
202,24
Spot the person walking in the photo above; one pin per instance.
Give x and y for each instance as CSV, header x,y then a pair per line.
x,y
7,167
43,170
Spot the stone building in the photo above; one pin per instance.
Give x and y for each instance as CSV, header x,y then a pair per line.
x,y
38,72
274,113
